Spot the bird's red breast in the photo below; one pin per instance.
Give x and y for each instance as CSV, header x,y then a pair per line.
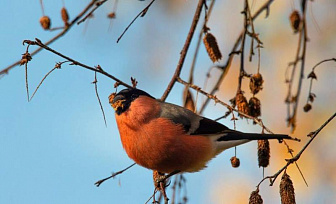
x,y
158,143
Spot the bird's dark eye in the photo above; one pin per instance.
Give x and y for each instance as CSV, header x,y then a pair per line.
x,y
134,96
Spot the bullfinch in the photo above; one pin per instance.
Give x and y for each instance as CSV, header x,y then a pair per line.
x,y
168,138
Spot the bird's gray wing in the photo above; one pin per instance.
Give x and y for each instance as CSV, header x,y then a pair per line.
x,y
192,123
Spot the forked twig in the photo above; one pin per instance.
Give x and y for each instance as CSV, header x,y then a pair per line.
x,y
57,66
74,62
312,76
98,183
142,14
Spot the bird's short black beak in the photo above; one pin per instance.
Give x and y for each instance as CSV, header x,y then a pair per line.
x,y
118,103
117,98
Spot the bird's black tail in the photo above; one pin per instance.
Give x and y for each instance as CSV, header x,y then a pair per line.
x,y
236,135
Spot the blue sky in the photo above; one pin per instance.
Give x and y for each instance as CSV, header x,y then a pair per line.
x,y
54,148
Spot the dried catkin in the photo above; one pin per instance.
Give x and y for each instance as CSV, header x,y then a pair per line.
x,y
211,47
256,82
255,107
263,153
255,198
287,190
241,103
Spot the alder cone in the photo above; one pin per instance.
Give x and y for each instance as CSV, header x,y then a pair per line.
x,y
45,22
295,20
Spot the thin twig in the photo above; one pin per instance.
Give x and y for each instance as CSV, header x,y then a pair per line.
x,y
56,28
298,155
114,11
254,36
74,62
242,72
193,64
42,82
98,183
310,94
98,4
42,7
26,76
225,68
294,100
66,29
184,50
142,14
153,196
96,90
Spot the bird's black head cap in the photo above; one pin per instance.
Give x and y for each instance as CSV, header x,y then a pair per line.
x,y
122,100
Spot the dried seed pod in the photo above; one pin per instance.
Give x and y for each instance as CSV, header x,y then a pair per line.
x,y
287,190
26,57
111,15
307,107
311,97
211,47
65,16
256,82
263,153
188,100
312,75
295,20
241,103
254,107
255,198
45,22
235,162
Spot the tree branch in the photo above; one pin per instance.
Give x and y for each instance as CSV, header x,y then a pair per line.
x,y
225,68
184,50
64,31
298,155
101,71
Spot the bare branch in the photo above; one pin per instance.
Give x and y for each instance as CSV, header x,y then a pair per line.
x,y
293,100
64,31
98,183
298,155
193,64
44,46
98,4
57,66
313,76
184,50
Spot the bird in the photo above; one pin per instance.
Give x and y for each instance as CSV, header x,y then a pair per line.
x,y
168,138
